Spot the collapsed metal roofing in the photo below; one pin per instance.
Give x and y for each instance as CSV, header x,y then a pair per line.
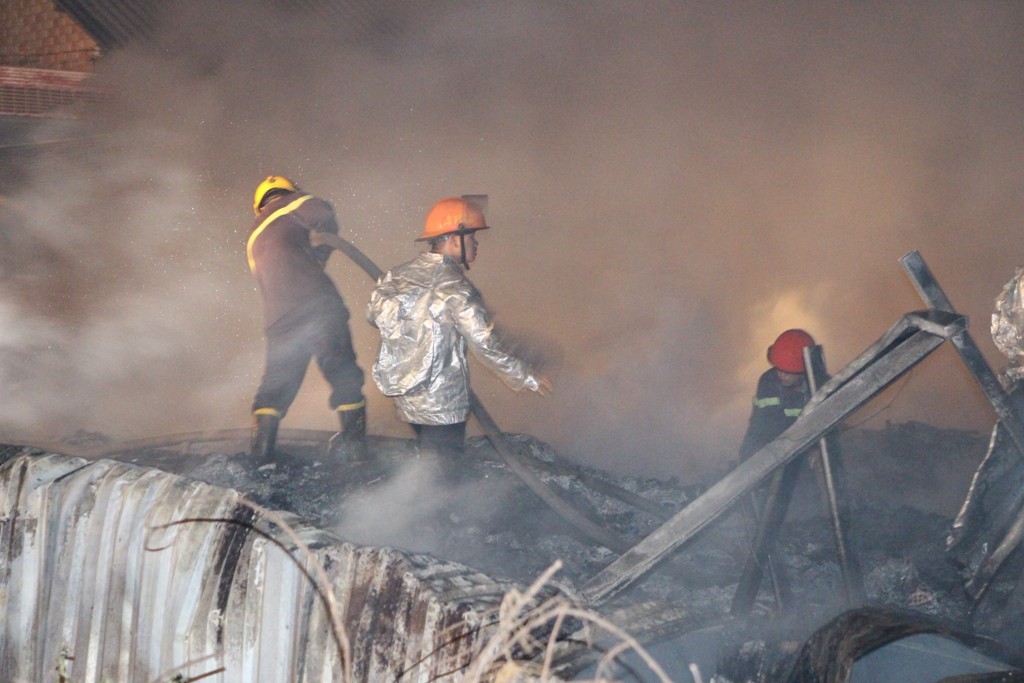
x,y
114,572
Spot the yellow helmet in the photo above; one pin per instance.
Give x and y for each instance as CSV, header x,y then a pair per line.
x,y
453,216
273,182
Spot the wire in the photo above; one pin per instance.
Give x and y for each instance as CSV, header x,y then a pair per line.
x,y
888,405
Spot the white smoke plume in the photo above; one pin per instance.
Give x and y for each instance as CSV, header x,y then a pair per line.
x,y
387,514
671,185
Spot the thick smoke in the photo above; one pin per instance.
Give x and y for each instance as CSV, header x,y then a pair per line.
x,y
670,187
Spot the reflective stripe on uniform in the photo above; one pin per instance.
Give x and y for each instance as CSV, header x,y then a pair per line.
x,y
351,406
776,401
270,219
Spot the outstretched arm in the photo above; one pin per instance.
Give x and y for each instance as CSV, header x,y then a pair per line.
x,y
476,327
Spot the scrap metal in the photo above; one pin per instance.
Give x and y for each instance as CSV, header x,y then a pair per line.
x,y
828,656
121,572
831,483
1008,412
986,531
901,348
906,344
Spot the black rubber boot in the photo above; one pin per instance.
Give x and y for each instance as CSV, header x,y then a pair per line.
x,y
264,437
349,445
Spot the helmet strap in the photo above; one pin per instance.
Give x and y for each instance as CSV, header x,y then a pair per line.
x,y
462,247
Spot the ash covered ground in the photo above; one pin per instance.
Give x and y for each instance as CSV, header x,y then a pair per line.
x,y
902,487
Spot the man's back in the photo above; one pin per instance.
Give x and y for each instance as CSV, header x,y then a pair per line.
x,y
422,356
288,269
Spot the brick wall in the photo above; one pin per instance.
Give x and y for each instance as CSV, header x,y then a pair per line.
x,y
34,34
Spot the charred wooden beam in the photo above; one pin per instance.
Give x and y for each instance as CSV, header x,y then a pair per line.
x,y
998,549
899,350
830,474
777,499
931,293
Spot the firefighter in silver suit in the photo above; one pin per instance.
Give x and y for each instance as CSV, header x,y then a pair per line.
x,y
428,312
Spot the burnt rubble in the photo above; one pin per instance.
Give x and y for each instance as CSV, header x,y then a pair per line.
x,y
903,487
823,548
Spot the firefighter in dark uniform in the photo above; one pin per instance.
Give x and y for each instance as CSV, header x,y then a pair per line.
x,y
782,392
304,317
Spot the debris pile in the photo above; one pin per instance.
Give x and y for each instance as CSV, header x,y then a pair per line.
x,y
490,521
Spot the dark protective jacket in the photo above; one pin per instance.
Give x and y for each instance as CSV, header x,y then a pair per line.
x,y
290,272
304,316
776,407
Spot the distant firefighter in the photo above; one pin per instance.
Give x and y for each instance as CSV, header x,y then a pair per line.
x,y
428,312
782,392
304,317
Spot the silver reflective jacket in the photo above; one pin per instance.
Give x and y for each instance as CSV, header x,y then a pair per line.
x,y
1008,326
427,312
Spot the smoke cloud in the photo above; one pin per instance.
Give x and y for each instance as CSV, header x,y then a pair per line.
x,y
413,493
670,185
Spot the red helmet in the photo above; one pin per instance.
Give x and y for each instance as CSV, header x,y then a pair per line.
x,y
787,353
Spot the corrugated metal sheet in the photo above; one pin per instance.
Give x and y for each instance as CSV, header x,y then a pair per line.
x,y
91,583
114,23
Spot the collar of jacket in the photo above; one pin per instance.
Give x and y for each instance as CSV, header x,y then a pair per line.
x,y
434,257
274,215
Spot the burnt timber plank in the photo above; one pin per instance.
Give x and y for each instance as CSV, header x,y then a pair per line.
x,y
900,349
831,477
931,293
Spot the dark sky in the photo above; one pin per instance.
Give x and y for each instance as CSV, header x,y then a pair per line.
x,y
671,185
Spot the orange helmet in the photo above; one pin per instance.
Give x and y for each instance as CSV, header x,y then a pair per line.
x,y
453,216
787,353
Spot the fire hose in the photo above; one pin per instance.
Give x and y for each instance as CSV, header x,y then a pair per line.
x,y
513,460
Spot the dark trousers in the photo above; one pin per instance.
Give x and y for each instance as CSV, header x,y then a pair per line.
x,y
445,443
445,439
317,331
